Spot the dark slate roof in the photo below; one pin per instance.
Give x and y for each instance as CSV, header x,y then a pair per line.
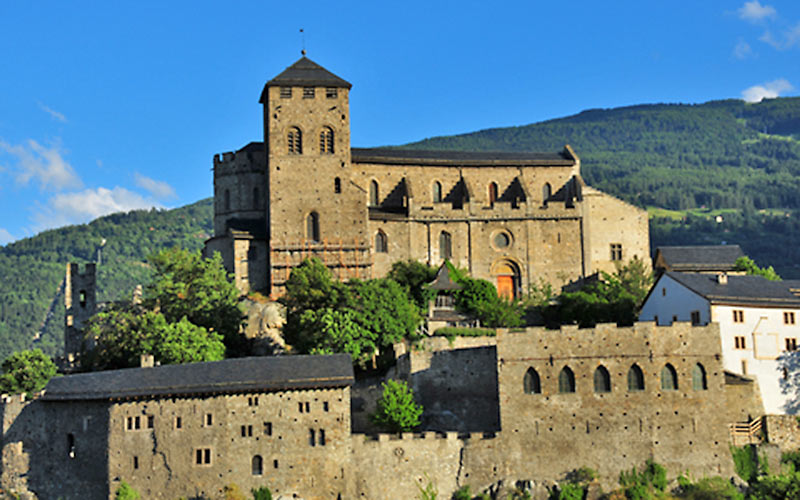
x,y
258,374
253,147
443,281
699,258
745,290
392,156
305,73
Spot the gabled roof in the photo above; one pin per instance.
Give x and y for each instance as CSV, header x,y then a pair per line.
x,y
391,156
257,374
443,281
744,290
698,258
305,73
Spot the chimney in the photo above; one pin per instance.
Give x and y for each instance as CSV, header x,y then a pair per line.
x,y
146,361
722,278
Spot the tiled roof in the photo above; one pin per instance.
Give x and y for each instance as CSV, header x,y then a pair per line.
x,y
745,290
443,281
303,73
465,158
257,374
699,258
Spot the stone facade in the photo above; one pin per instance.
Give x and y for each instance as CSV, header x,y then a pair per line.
x,y
506,217
543,427
80,302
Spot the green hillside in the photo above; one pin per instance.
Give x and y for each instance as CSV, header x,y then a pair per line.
x,y
722,154
32,270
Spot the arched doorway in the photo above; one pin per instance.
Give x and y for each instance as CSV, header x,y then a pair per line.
x,y
508,279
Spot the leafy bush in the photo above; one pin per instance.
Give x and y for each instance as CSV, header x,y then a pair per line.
x,y
643,485
262,493
26,371
463,493
126,492
397,411
414,277
747,265
746,463
571,491
710,488
232,492
458,331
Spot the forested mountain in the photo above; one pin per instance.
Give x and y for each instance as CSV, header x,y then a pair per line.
x,y
721,154
32,270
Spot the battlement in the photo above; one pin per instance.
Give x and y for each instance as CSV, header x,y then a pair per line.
x,y
89,270
238,159
391,440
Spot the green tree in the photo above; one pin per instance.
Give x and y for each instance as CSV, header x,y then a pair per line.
x,y
187,285
126,492
122,333
414,277
383,307
478,298
747,265
331,331
26,372
397,411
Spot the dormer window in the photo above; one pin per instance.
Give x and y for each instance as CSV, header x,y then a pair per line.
x,y
308,92
331,92
286,92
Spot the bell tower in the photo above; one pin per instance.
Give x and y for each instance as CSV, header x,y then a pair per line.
x,y
316,202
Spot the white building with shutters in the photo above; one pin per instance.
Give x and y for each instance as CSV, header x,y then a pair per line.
x,y
758,322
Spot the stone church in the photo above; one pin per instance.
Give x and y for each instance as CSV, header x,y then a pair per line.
x,y
510,218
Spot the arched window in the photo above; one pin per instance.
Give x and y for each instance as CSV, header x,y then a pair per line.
x,y
326,141
312,226
699,382
492,193
437,192
256,197
445,245
547,192
257,465
227,200
635,379
669,378
381,245
531,383
294,140
373,194
71,445
337,185
602,380
566,381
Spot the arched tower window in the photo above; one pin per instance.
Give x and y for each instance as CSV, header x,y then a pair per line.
x,y
257,465
337,185
566,381
256,197
547,192
294,141
326,141
373,194
381,245
602,380
312,226
635,379
699,382
669,378
437,192
227,197
531,383
492,193
445,245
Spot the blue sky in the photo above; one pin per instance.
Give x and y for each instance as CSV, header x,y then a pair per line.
x,y
109,106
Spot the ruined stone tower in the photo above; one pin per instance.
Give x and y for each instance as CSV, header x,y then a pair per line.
x,y
80,304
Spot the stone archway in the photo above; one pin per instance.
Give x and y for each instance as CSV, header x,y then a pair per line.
x,y
507,279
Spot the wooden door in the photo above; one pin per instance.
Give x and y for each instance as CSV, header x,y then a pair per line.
x,y
505,287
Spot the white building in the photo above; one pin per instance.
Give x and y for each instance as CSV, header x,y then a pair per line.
x,y
757,322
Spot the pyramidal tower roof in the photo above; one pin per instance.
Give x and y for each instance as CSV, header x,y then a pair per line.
x,y
306,73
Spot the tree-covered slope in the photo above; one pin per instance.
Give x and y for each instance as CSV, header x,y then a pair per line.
x,y
32,270
727,154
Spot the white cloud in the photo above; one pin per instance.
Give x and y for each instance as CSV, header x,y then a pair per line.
x,y
83,206
742,50
46,165
767,90
160,190
755,12
53,113
786,40
5,236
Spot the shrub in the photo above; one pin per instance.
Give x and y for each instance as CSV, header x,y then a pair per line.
x,y
262,493
463,493
746,463
452,332
126,492
397,411
26,371
232,492
713,488
643,485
